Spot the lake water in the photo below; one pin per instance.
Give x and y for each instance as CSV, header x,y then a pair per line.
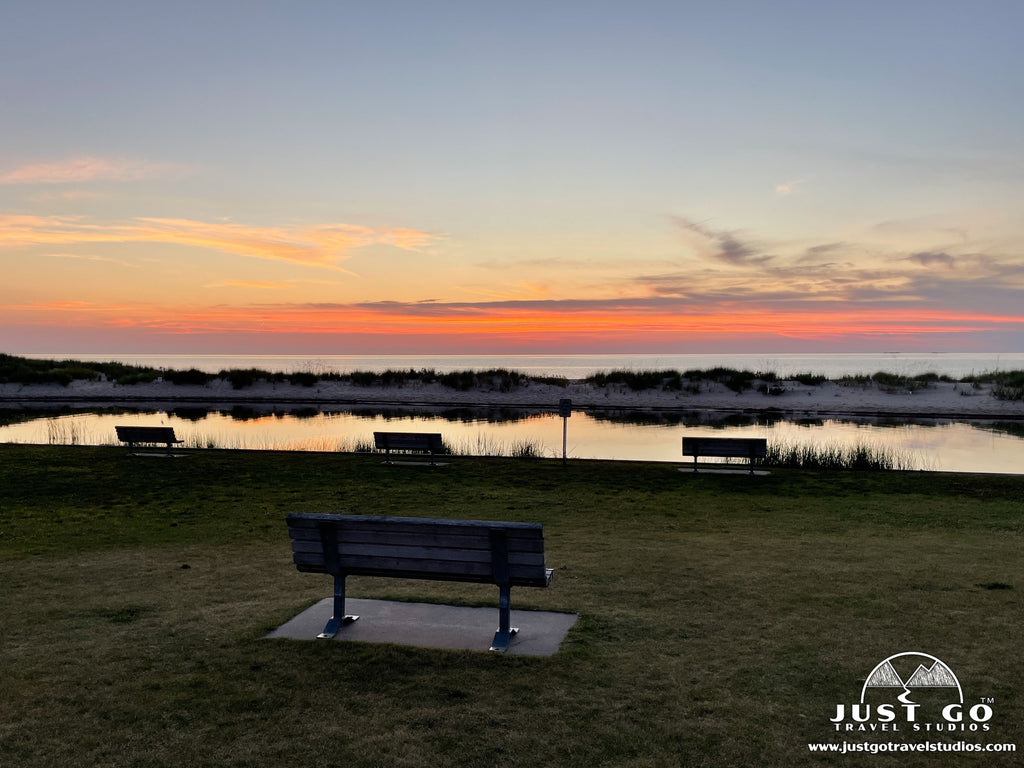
x,y
939,445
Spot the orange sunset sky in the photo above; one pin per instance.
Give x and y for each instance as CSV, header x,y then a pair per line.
x,y
454,177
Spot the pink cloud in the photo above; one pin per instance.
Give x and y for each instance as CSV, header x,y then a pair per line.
x,y
318,246
85,168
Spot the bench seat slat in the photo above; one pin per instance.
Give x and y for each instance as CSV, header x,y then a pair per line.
x,y
726,447
408,441
350,549
478,539
727,451
308,520
519,575
146,434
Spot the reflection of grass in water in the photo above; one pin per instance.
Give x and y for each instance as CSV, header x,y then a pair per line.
x,y
481,445
65,432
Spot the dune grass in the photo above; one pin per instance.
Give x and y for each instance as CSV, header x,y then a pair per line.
x,y
722,617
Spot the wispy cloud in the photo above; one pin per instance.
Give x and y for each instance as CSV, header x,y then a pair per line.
x,y
247,284
319,246
926,259
91,257
880,269
719,245
86,168
787,188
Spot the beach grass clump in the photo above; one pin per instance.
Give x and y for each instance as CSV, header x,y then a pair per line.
x,y
242,378
637,381
855,380
190,377
1008,385
304,379
363,378
732,378
809,379
494,379
389,377
889,382
895,382
21,370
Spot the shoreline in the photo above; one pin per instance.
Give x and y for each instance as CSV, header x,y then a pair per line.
x,y
937,400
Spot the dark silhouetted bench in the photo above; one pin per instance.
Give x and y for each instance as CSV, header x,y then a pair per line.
x,y
506,554
725,447
147,436
408,441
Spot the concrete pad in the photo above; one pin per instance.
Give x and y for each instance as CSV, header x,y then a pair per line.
x,y
426,625
719,471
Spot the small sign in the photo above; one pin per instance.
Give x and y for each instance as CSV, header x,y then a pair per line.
x,y
565,407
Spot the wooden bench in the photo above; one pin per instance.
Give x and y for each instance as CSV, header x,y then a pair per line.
x,y
506,554
146,436
408,441
726,447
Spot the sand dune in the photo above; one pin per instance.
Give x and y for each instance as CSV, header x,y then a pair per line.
x,y
941,399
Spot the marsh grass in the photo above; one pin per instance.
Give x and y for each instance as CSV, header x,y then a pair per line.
x,y
63,431
481,445
859,456
722,617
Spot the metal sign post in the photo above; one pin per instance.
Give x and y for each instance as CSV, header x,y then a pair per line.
x,y
565,411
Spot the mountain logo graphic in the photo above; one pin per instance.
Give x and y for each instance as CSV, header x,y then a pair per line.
x,y
929,672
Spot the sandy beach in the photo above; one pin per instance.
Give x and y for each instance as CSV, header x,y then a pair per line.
x,y
937,400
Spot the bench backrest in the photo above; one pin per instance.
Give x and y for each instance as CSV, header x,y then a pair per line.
x,y
418,548
408,441
726,447
146,434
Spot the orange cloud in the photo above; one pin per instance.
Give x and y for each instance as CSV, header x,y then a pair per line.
x,y
85,168
315,246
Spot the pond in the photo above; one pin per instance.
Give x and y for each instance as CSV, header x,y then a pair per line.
x,y
938,445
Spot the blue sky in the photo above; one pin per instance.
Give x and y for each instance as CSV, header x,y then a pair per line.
x,y
646,176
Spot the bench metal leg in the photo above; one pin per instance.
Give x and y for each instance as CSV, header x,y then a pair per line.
x,y
339,619
499,569
504,634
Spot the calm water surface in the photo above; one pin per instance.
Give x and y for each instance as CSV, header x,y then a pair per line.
x,y
939,446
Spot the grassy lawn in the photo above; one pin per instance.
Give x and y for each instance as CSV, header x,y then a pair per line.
x,y
722,617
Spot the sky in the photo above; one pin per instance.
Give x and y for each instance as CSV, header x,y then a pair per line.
x,y
503,178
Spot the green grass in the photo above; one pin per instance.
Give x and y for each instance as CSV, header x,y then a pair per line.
x,y
722,617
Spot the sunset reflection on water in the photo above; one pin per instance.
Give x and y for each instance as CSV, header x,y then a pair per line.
x,y
948,446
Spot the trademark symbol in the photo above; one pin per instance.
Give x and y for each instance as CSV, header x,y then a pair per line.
x,y
987,700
